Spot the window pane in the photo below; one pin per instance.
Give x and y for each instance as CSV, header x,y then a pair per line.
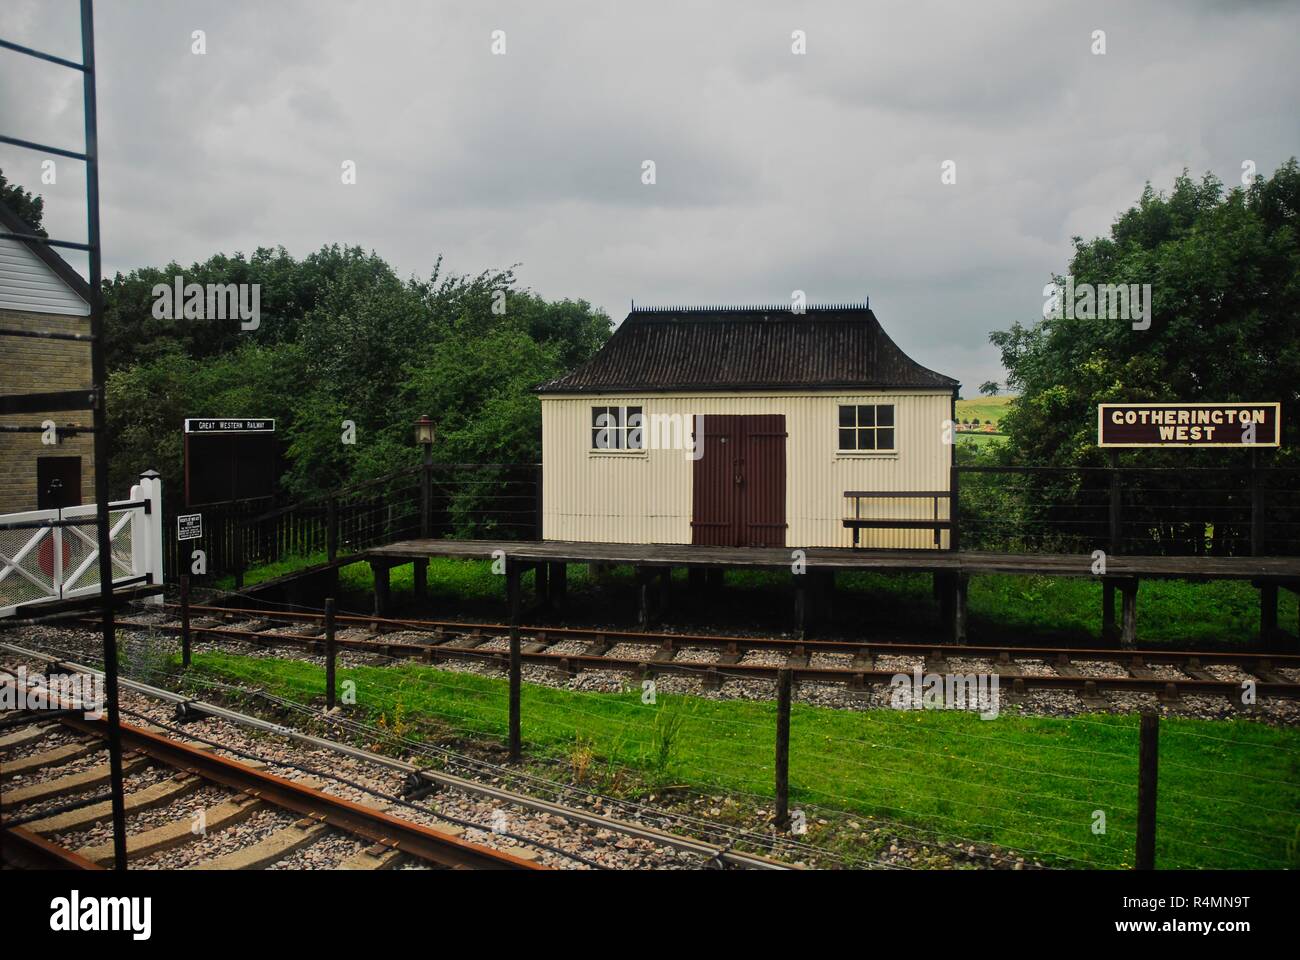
x,y
885,415
866,416
604,428
634,429
885,439
846,416
867,439
846,439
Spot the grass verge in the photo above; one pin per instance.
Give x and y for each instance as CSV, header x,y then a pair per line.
x,y
1228,797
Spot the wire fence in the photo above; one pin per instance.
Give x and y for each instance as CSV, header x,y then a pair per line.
x,y
464,501
1157,511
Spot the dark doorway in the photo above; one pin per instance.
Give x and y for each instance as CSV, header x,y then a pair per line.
x,y
739,482
58,482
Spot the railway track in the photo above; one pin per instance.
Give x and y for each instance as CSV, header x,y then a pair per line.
x,y
857,664
30,839
26,835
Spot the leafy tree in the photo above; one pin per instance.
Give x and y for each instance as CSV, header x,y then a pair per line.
x,y
29,206
341,338
1224,270
989,388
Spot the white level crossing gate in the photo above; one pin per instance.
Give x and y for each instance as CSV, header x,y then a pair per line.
x,y
50,555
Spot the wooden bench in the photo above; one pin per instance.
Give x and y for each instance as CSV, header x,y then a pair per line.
x,y
857,522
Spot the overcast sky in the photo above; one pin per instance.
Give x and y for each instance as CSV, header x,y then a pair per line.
x,y
775,171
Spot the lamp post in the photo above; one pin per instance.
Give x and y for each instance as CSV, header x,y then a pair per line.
x,y
424,436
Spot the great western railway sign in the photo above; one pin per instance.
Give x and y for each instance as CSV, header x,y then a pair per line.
x,y
230,458
229,426
1189,424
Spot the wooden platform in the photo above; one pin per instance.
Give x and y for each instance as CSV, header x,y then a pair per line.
x,y
1283,571
951,571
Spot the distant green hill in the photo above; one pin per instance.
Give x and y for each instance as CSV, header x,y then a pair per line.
x,y
983,408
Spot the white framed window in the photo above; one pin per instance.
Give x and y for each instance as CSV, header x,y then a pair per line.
x,y
617,428
867,428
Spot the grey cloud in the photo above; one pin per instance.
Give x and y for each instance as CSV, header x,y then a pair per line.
x,y
775,172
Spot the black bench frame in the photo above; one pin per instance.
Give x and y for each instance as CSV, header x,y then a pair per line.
x,y
857,522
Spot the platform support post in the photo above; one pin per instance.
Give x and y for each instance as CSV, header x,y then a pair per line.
x,y
1129,592
717,577
697,580
801,605
945,592
784,685
512,593
1108,630
185,620
826,593
961,584
642,597
1148,767
382,592
420,572
542,584
1267,615
331,652
559,584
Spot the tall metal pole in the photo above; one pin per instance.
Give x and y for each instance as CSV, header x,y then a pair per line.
x,y
99,378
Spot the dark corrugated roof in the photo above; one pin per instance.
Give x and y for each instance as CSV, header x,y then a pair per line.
x,y
748,348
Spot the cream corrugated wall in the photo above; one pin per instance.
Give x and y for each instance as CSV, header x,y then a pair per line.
x,y
646,498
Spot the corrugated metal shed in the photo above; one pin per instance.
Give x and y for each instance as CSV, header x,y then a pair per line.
x,y
749,348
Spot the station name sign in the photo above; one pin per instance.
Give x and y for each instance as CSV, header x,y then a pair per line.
x,y
1189,424
229,426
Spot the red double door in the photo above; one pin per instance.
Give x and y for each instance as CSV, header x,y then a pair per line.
x,y
739,482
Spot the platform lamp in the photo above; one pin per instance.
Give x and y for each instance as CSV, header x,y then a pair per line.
x,y
424,436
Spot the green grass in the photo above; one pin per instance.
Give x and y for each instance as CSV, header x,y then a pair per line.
x,y
1228,797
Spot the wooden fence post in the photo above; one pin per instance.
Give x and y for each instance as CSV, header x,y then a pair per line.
x,y
1114,513
784,685
332,528
1148,772
538,527
185,620
1256,507
954,501
512,591
239,556
330,653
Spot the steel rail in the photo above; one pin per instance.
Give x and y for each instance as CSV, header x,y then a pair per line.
x,y
436,777
673,640
23,847
374,825
855,677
